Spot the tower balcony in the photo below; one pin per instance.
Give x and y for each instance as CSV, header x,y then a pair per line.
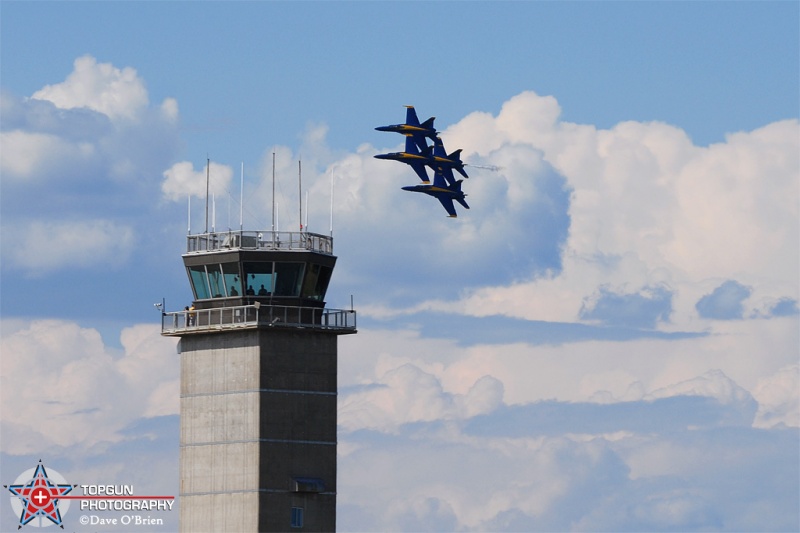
x,y
224,241
257,315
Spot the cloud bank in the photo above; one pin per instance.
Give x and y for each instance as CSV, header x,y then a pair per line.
x,y
80,161
604,340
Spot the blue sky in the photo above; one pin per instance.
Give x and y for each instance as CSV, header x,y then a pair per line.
x,y
607,333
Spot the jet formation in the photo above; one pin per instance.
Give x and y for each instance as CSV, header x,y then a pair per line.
x,y
419,154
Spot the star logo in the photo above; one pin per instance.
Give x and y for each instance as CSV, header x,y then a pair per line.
x,y
37,495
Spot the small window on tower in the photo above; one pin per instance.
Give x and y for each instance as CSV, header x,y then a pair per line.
x,y
297,517
260,279
215,281
199,282
231,273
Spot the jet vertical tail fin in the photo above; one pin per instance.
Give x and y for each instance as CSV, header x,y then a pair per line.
x,y
456,156
459,197
411,116
439,180
411,145
428,124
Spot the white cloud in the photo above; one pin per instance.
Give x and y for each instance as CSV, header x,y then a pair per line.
x,y
408,394
42,246
61,386
600,435
117,93
77,156
96,125
778,398
34,154
573,212
647,208
381,367
182,180
169,109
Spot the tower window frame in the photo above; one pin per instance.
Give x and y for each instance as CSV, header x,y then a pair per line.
x,y
297,518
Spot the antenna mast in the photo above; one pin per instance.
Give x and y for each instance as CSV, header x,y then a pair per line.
x,y
300,192
331,202
241,200
208,170
273,195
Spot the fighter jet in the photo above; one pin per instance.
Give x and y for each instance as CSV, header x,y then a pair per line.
x,y
412,127
412,157
443,192
445,162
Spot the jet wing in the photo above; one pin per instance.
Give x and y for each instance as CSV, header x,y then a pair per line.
x,y
447,203
419,168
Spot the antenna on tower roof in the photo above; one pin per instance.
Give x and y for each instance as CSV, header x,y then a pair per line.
x,y
208,170
331,202
300,192
273,194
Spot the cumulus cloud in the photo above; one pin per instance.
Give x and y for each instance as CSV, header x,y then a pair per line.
x,y
778,398
626,228
634,435
646,209
81,391
408,394
40,246
78,156
182,180
515,228
116,93
733,362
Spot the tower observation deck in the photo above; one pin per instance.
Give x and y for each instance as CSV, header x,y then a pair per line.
x,y
258,354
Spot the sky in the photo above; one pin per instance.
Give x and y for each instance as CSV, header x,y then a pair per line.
x,y
607,339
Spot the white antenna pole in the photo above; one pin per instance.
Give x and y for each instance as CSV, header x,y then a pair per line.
x,y
300,191
273,195
189,216
331,202
208,171
241,200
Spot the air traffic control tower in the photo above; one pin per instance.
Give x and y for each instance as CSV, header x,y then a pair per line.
x,y
258,383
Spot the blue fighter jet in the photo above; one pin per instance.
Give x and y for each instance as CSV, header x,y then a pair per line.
x,y
443,192
413,157
445,162
414,128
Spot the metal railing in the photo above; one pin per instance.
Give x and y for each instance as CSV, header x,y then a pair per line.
x,y
254,316
259,240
